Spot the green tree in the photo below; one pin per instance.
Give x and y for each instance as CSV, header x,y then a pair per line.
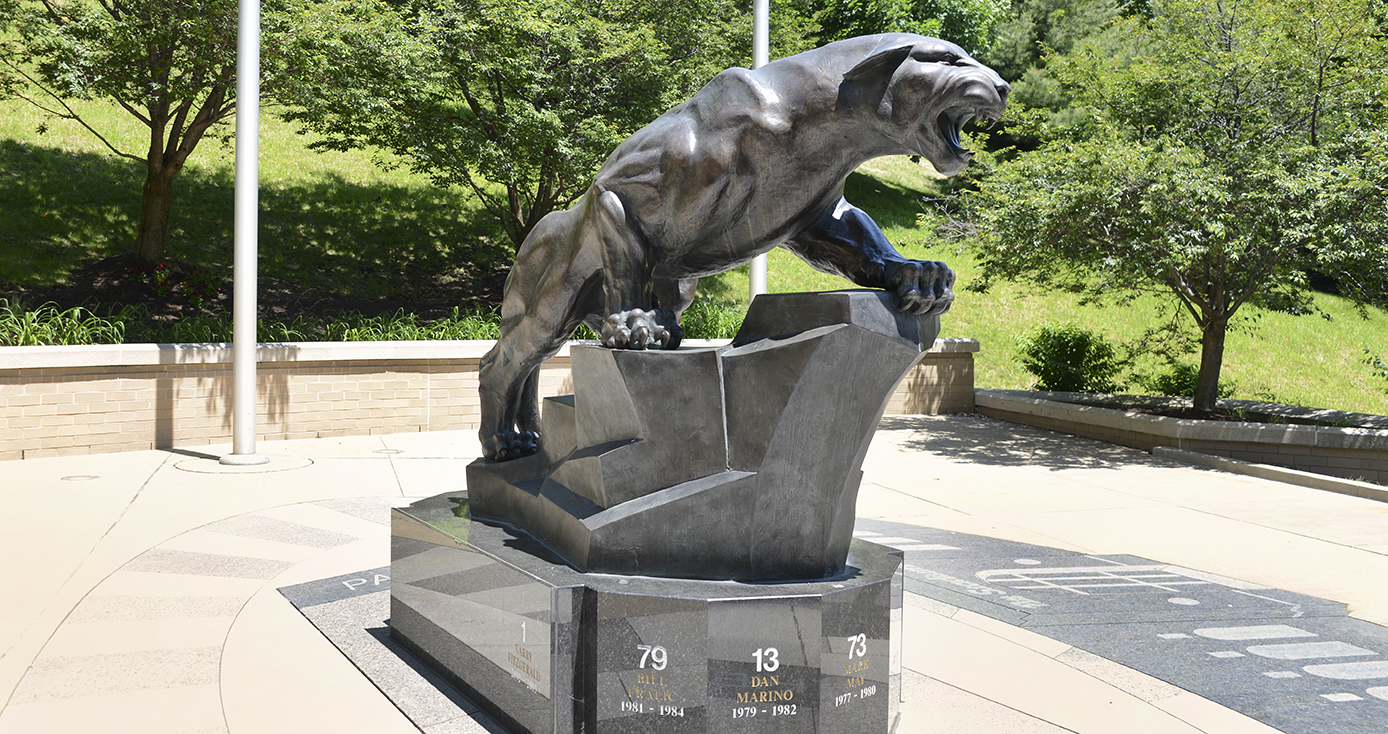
x,y
1035,28
171,64
519,102
1236,151
969,23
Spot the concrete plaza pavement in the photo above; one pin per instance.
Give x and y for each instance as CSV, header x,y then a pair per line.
x,y
141,590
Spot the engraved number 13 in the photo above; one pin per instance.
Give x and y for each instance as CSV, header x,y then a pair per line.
x,y
767,660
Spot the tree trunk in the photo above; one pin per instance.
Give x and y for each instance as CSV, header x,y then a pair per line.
x,y
1211,361
154,216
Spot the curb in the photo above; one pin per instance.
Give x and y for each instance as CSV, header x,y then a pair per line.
x,y
1276,473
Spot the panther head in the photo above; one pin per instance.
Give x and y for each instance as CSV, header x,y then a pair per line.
x,y
924,91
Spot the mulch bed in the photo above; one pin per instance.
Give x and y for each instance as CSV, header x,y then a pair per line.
x,y
1194,414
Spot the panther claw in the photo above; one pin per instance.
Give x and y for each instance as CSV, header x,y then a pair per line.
x,y
639,329
508,445
923,287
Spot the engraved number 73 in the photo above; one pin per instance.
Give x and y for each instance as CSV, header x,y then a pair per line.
x,y
857,646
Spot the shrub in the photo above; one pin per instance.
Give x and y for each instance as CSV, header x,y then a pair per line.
x,y
1180,381
1071,359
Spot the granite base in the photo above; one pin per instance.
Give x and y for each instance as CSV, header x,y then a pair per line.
x,y
546,649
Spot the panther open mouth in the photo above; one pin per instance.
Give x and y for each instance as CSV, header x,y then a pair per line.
x,y
951,124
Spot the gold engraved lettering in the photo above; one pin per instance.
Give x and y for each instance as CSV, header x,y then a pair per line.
x,y
857,667
784,694
637,692
522,666
654,694
764,681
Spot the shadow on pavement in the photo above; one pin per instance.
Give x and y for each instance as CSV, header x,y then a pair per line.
x,y
982,440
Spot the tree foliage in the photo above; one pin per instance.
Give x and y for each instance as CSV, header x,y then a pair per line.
x,y
170,64
1233,153
969,23
1038,29
519,102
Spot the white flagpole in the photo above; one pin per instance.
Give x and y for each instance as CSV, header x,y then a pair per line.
x,y
761,35
246,224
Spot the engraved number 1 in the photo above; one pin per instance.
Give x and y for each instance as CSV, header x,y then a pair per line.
x,y
767,660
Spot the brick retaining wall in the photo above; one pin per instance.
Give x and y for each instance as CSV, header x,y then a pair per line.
x,y
57,401
1352,453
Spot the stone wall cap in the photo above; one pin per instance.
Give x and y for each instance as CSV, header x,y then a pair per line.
x,y
1057,405
113,355
135,355
953,346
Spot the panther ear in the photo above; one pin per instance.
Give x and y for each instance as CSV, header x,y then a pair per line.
x,y
880,64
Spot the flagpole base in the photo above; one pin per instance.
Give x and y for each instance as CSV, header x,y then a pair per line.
x,y
244,460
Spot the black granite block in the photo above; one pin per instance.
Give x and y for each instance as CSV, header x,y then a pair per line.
x,y
808,476
559,428
546,648
764,665
775,315
856,664
760,380
699,528
671,401
649,661
493,486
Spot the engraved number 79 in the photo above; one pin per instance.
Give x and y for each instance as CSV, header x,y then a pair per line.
x,y
656,654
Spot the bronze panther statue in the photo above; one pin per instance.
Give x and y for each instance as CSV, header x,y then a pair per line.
x,y
754,160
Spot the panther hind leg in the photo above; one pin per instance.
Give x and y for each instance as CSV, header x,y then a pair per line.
x,y
553,285
632,320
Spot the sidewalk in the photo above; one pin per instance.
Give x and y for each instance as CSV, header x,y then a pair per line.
x,y
142,588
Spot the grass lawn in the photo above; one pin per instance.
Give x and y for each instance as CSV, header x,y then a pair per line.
x,y
329,221
338,222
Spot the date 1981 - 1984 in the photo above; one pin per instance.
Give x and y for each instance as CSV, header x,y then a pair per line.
x,y
636,707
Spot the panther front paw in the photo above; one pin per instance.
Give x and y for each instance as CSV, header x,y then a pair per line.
x,y
923,287
508,445
638,329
